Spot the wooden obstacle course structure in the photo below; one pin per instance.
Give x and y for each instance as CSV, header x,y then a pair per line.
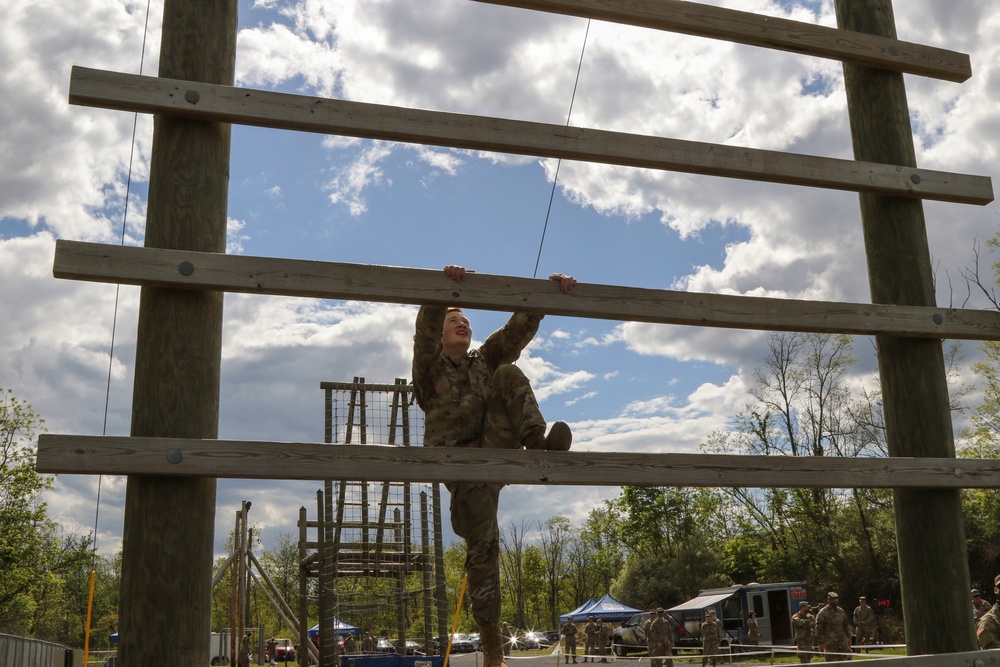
x,y
172,460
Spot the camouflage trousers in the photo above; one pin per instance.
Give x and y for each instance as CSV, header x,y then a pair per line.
x,y
511,413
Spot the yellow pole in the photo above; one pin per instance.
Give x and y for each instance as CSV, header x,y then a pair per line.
x,y
90,607
454,624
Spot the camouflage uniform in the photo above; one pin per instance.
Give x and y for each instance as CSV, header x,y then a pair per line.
x,y
833,631
480,401
569,632
711,637
988,629
593,632
603,634
864,623
507,637
660,640
979,605
804,630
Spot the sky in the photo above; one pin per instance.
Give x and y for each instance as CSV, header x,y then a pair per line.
x,y
70,172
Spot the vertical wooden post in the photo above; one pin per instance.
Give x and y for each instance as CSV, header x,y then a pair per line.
x,y
933,562
425,568
302,654
440,588
169,529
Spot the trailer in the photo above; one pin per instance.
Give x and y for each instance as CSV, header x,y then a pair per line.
x,y
218,647
773,603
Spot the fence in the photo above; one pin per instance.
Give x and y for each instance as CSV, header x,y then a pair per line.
x,y
26,652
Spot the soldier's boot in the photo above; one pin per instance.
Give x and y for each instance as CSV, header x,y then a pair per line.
x,y
492,641
567,660
559,439
574,658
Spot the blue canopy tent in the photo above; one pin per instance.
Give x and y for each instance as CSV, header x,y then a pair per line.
x,y
565,617
606,609
339,627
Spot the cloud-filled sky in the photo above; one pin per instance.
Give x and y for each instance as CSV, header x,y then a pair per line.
x,y
627,387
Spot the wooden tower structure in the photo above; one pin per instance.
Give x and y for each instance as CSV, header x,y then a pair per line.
x,y
362,537
173,457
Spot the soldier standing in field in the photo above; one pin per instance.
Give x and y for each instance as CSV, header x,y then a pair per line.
x,y
660,639
833,630
569,633
804,631
592,632
864,621
988,628
478,398
711,638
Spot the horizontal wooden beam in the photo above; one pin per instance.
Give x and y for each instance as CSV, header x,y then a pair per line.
x,y
691,18
108,455
225,104
361,282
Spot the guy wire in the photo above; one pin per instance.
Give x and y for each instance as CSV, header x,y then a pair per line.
x,y
114,317
555,178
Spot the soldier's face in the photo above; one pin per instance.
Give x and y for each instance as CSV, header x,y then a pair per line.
x,y
457,331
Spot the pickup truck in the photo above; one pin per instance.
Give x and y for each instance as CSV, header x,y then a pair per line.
x,y
631,636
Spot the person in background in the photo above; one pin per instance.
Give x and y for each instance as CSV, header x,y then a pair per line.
x,y
833,630
988,628
660,639
272,651
979,605
569,635
711,638
592,632
864,622
479,399
753,634
246,648
603,634
804,632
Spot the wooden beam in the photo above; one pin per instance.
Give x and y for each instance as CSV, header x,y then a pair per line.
x,y
226,104
109,455
331,280
691,18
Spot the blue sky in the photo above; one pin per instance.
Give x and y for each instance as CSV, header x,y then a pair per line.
x,y
624,387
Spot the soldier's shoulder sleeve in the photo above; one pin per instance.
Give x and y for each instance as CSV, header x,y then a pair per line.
x,y
505,345
426,347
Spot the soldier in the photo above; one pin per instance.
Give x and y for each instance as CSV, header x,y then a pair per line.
x,y
507,636
478,398
753,634
833,630
592,632
603,633
864,621
988,629
711,637
349,645
660,639
979,605
569,633
646,625
369,643
804,631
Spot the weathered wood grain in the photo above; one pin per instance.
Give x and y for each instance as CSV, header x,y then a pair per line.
x,y
107,455
333,280
188,99
691,18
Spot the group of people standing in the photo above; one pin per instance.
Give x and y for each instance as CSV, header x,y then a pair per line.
x,y
829,629
596,634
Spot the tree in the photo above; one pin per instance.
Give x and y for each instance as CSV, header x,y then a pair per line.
x,y
554,542
25,530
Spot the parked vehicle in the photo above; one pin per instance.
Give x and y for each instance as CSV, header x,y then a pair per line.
x,y
773,603
462,644
383,645
218,647
476,640
631,636
534,640
552,635
284,651
414,648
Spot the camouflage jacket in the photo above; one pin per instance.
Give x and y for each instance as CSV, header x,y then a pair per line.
x,y
453,395
804,627
711,632
661,633
864,615
989,628
832,626
979,609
